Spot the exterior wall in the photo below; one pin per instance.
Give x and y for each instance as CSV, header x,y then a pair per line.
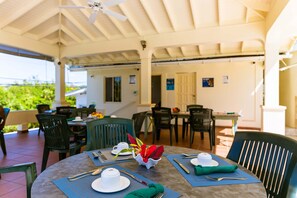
x,y
81,100
243,93
130,92
288,91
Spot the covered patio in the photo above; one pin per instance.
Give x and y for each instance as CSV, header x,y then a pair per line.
x,y
257,34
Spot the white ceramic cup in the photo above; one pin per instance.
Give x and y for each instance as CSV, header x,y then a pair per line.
x,y
204,159
77,118
120,146
110,178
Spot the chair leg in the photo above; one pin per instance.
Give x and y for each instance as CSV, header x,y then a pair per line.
x,y
184,128
154,134
202,136
2,142
39,132
44,158
210,140
191,137
170,131
62,156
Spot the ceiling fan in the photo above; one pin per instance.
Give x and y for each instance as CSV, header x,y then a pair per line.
x,y
98,5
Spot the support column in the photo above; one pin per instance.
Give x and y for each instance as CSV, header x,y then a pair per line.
x,y
273,115
60,84
145,77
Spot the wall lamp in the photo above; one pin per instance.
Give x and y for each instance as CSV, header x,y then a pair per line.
x,y
143,44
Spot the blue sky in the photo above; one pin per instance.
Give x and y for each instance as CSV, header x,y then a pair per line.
x,y
16,69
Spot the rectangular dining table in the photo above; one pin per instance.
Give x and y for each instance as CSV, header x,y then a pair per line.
x,y
185,115
165,173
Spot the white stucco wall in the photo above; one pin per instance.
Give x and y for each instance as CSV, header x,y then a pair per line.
x,y
243,93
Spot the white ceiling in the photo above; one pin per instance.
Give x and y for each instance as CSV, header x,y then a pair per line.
x,y
173,29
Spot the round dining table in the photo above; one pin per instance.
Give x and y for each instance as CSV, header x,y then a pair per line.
x,y
164,173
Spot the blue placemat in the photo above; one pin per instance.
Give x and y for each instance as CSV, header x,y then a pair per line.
x,y
195,180
82,187
111,160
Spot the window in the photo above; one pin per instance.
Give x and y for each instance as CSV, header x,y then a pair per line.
x,y
113,89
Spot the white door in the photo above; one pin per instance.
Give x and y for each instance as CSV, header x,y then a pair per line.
x,y
185,90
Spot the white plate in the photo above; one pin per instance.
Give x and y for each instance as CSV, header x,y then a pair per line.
x,y
97,185
125,153
195,162
78,120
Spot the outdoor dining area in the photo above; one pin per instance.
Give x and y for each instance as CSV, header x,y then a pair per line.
x,y
108,156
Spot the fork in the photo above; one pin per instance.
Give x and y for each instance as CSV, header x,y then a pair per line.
x,y
159,195
225,178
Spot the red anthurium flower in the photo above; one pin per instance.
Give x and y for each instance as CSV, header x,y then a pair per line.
x,y
131,139
157,153
148,152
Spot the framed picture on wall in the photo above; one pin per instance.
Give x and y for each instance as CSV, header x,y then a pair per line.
x,y
170,84
207,82
132,79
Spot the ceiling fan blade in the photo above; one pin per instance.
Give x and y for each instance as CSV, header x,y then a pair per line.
x,y
73,6
114,14
93,16
113,2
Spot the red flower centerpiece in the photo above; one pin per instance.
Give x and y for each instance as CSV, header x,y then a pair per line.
x,y
145,155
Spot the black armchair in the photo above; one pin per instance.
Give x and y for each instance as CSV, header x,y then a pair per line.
x,y
271,157
162,120
67,111
58,137
41,108
28,168
186,122
3,115
138,119
201,121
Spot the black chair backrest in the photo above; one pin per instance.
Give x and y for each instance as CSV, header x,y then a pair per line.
x,y
30,173
68,111
271,157
191,106
3,114
138,119
200,119
108,132
84,112
162,117
56,131
41,108
92,106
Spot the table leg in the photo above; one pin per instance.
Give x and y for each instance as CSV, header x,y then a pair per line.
x,y
213,132
234,126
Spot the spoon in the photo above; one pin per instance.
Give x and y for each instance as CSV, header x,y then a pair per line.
x,y
96,172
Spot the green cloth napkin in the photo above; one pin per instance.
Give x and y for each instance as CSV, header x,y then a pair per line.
x,y
151,191
199,170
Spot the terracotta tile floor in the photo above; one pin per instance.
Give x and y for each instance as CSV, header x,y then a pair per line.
x,y
26,147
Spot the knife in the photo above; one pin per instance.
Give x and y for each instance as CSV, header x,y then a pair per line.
x,y
133,177
102,155
182,166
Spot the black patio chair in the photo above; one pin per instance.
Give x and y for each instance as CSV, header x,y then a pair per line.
x,y
201,121
107,132
84,112
186,121
271,157
162,120
67,111
30,172
3,115
41,108
57,137
138,119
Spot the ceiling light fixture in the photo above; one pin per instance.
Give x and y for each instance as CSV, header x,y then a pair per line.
x,y
143,44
